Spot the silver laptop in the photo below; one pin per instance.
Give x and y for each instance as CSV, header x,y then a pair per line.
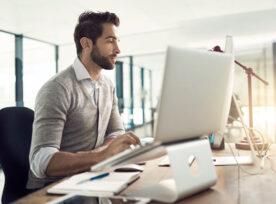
x,y
195,100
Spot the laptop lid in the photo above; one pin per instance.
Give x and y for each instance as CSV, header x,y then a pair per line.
x,y
196,94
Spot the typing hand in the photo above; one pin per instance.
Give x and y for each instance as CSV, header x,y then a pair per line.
x,y
121,143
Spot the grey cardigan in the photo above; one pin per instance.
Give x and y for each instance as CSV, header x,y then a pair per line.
x,y
67,118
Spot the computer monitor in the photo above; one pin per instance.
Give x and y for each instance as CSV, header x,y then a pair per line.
x,y
195,100
196,94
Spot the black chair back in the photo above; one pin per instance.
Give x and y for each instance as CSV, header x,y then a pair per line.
x,y
15,140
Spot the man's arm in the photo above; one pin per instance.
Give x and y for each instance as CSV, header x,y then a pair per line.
x,y
52,105
65,163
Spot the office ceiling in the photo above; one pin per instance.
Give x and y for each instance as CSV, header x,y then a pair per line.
x,y
54,20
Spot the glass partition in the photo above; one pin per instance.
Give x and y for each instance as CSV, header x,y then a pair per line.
x,y
38,67
7,70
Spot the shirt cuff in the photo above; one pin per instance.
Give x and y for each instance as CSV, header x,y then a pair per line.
x,y
41,160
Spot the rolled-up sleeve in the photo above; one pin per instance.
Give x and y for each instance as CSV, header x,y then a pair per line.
x,y
41,160
51,107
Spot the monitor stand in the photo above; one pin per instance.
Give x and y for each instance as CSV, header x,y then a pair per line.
x,y
186,180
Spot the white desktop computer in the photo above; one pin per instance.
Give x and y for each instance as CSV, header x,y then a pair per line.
x,y
195,100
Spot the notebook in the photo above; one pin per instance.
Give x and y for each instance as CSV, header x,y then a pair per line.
x,y
109,185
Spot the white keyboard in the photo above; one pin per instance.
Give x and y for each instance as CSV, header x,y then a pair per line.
x,y
123,157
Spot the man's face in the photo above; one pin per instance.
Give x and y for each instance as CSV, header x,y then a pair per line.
x,y
105,50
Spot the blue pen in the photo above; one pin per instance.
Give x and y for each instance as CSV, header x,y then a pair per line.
x,y
94,178
212,138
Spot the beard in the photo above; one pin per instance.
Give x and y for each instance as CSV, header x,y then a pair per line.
x,y
100,60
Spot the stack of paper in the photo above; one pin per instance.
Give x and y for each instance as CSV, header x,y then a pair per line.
x,y
109,185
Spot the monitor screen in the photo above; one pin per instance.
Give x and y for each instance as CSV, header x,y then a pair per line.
x,y
196,94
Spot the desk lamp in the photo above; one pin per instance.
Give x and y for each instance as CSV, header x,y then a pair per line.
x,y
243,144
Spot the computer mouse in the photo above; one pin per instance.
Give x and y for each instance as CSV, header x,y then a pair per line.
x,y
130,168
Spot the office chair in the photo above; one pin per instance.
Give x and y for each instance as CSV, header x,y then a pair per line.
x,y
15,140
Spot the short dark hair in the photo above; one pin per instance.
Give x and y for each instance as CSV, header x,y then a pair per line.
x,y
90,26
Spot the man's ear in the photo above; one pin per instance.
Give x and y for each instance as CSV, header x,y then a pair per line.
x,y
86,43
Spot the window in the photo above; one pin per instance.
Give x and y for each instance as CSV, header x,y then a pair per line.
x,y
7,70
38,67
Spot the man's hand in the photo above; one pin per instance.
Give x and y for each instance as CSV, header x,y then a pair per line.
x,y
121,143
66,163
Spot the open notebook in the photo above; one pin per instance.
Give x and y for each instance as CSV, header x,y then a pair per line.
x,y
109,185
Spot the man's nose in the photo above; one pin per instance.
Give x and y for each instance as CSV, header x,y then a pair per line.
x,y
117,49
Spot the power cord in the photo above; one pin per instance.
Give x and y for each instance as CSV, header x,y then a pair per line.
x,y
239,166
249,134
262,153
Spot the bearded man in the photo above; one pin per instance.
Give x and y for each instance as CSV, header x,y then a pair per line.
x,y
77,122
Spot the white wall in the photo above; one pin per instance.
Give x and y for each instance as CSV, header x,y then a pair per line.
x,y
247,28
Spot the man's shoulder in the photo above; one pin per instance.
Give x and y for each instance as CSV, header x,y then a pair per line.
x,y
65,79
66,76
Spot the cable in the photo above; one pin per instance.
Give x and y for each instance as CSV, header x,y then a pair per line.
x,y
239,166
263,154
249,132
263,139
260,153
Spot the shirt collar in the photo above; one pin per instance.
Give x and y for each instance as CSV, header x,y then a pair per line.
x,y
82,73
80,70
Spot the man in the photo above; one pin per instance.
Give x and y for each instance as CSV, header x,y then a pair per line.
x,y
77,123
